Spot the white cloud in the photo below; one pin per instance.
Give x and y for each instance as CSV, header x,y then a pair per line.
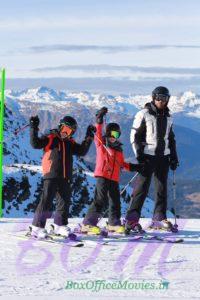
x,y
106,22
105,48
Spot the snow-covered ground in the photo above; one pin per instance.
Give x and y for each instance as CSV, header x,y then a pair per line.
x,y
44,269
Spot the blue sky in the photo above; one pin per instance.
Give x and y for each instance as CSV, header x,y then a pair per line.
x,y
138,39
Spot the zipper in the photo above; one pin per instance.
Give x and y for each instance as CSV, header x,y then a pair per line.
x,y
64,167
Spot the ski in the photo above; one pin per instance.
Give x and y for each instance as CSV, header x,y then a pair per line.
x,y
91,242
56,239
147,237
169,239
49,239
137,237
86,239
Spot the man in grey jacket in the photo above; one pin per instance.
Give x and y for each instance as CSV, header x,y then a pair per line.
x,y
154,145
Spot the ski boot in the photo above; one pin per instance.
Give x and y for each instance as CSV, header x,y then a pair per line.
x,y
37,232
120,229
90,229
62,230
164,225
133,227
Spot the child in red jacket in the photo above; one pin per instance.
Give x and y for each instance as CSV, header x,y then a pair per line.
x,y
109,162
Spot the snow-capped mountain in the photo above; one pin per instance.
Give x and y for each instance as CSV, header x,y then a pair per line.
x,y
188,102
185,107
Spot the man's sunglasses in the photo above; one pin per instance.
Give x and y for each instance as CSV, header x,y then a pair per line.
x,y
115,134
161,97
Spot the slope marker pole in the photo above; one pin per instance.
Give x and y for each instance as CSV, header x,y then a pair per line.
x,y
2,98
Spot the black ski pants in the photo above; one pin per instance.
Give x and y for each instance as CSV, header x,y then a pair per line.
x,y
59,188
159,167
106,191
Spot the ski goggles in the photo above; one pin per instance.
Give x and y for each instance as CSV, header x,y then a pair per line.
x,y
115,134
66,129
161,97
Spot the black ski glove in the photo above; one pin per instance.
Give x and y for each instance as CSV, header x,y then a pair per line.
x,y
173,164
90,131
141,158
146,164
137,167
34,122
100,114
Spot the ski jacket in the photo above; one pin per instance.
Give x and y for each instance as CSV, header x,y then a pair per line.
x,y
57,158
152,133
109,161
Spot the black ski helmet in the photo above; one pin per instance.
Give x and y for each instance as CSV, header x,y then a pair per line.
x,y
160,90
69,121
112,127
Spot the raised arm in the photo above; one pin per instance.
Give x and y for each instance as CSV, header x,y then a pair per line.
x,y
35,141
83,148
99,126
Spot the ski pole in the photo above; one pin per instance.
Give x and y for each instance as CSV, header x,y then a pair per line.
x,y
174,198
100,141
121,193
16,132
21,129
2,100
